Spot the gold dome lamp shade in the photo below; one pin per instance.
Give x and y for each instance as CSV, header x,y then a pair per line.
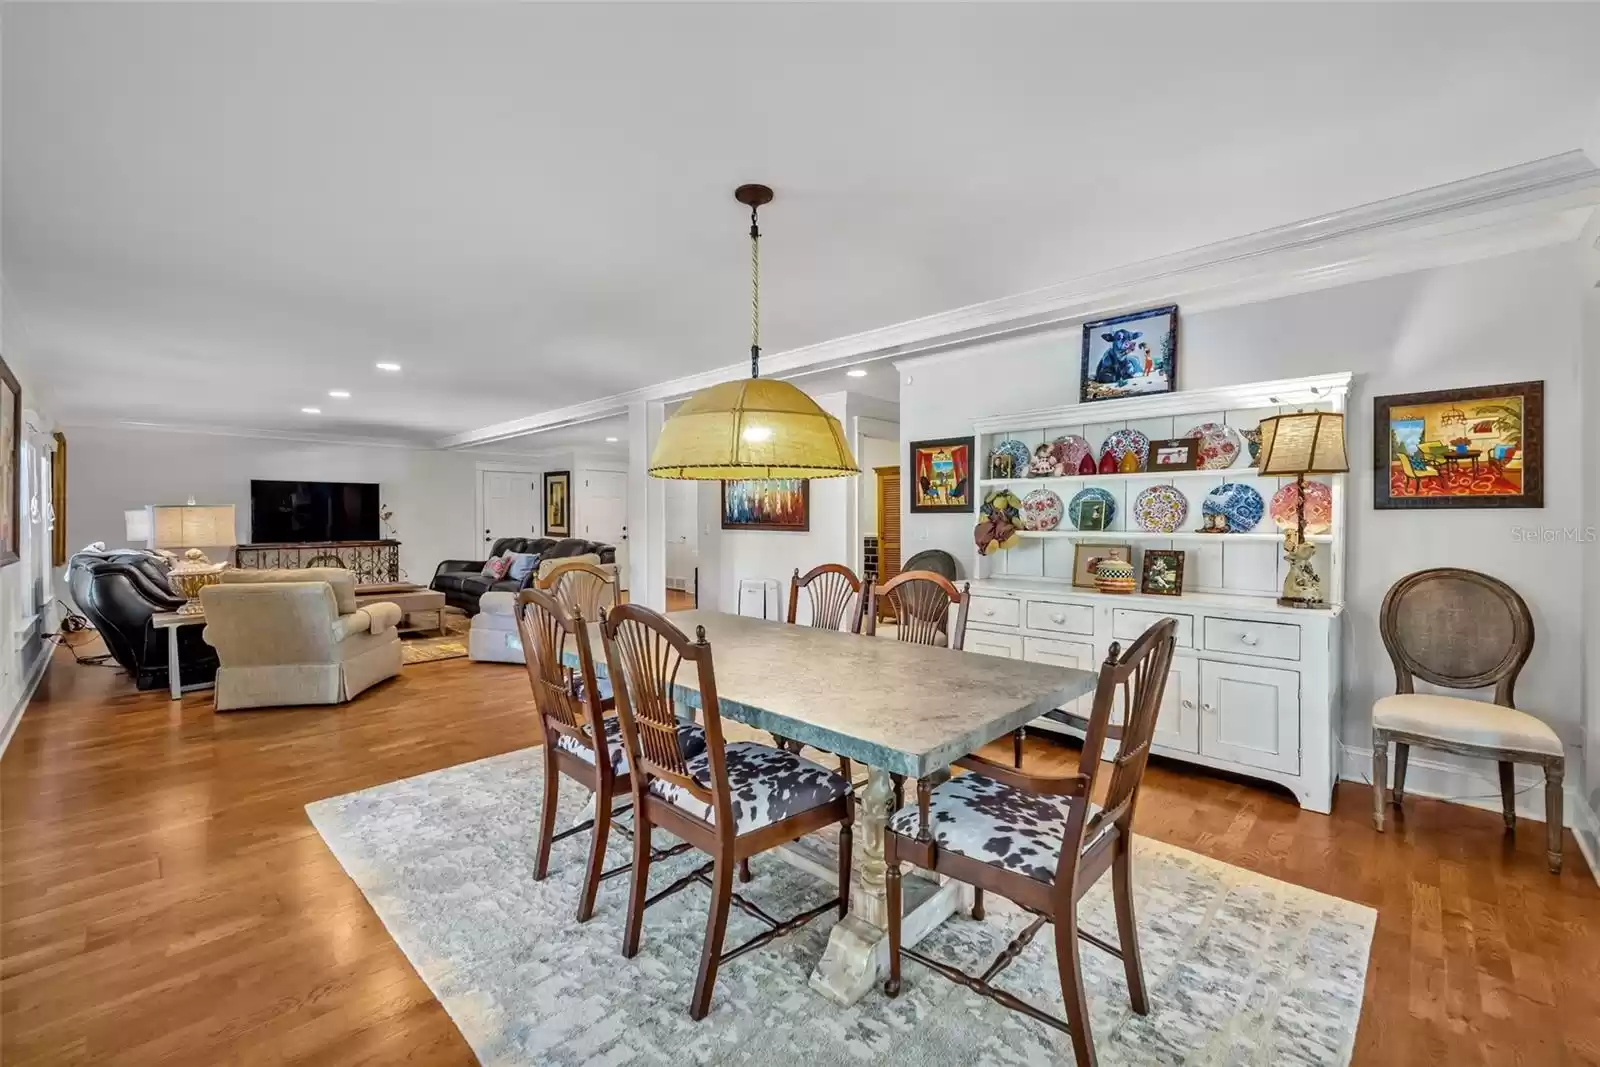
x,y
754,427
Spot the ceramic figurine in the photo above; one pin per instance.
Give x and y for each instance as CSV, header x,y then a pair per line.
x,y
1302,587
1086,465
1108,462
1112,575
1044,462
1129,463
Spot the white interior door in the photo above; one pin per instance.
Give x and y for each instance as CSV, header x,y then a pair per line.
x,y
603,507
508,505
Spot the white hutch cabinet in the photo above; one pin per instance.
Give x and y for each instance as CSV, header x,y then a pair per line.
x,y
1254,686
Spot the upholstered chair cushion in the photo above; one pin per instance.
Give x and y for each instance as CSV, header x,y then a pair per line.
x,y
383,616
1470,722
691,739
983,820
342,581
550,563
765,785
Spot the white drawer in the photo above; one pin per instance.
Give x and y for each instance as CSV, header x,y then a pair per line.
x,y
1063,618
1129,624
995,611
1276,639
993,644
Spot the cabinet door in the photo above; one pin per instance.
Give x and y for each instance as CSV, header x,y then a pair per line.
x,y
1076,654
993,644
1250,715
1178,725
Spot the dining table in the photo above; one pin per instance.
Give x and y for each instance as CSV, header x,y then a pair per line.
x,y
895,708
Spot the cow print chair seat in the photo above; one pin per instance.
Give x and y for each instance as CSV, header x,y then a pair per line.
x,y
766,785
985,820
691,738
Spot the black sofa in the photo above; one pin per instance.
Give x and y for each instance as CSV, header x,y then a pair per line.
x,y
462,583
119,594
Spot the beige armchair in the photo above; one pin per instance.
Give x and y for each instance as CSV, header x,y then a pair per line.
x,y
296,637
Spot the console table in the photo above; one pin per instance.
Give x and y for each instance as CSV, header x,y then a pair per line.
x,y
372,562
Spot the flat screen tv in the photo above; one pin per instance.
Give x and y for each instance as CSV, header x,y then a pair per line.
x,y
285,512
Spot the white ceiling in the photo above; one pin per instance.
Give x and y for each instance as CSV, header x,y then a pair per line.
x,y
215,213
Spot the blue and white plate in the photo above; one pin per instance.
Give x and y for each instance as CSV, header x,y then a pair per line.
x,y
1240,505
1019,453
1075,507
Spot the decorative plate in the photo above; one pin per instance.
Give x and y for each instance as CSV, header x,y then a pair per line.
x,y
1120,442
1238,505
1041,510
1219,445
1070,451
1252,442
1160,509
1075,509
1319,507
1016,451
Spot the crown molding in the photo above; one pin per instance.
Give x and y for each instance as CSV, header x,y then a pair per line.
x,y
1531,204
290,436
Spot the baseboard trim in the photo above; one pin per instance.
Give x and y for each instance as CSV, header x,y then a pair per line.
x,y
1458,784
29,685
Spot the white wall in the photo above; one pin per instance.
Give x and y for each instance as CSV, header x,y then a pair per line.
x,y
874,452
683,531
1510,318
27,613
1589,289
433,494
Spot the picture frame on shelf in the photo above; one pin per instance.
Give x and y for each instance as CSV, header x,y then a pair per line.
x,y
1092,515
1460,448
774,504
1161,572
941,475
1175,454
1084,551
1130,355
558,503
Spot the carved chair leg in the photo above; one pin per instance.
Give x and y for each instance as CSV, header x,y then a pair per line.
x,y
1508,794
1127,925
744,870
639,885
716,927
899,781
1402,756
547,817
1380,776
977,903
597,853
1554,774
1072,993
891,985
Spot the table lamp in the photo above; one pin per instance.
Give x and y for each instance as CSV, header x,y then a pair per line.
x,y
191,526
1306,442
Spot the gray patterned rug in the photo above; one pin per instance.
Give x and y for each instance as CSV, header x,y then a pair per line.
x,y
1242,969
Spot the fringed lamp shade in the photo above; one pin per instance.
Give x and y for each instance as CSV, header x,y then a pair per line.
x,y
1306,442
752,428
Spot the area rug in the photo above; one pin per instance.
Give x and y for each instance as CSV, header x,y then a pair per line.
x,y
1242,969
431,647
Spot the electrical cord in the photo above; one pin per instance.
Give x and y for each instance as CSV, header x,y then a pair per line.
x,y
77,624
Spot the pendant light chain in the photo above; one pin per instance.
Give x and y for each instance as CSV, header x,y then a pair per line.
x,y
755,295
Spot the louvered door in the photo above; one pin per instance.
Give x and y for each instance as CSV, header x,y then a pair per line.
x,y
888,522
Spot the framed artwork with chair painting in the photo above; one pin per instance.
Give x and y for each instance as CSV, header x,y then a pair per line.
x,y
1460,448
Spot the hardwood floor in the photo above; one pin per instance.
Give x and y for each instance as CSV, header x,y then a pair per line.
x,y
163,898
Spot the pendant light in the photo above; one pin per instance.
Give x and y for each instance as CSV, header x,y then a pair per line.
x,y
754,428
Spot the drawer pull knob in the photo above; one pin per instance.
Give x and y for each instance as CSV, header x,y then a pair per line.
x,y
1207,707
1188,705
1248,639
1058,618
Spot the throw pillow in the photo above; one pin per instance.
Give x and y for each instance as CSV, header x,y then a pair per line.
x,y
496,568
522,564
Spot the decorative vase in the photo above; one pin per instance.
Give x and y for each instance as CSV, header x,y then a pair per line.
x,y
1113,576
1086,464
1129,464
192,575
1108,462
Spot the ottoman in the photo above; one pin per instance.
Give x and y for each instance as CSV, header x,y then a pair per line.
x,y
494,637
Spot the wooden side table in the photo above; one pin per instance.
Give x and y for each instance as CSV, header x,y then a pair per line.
x,y
172,621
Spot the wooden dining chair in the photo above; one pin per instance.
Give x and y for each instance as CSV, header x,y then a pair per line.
x,y
585,589
570,704
1042,842
733,801
1462,630
835,595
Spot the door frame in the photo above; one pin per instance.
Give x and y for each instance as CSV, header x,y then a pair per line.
x,y
478,471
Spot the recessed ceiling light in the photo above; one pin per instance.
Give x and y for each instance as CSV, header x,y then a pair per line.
x,y
311,411
611,440
855,372
390,367
339,394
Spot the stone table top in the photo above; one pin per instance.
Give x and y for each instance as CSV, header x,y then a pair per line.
x,y
906,708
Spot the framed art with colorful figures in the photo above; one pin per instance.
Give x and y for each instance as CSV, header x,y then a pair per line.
x,y
941,475
1460,448
1130,355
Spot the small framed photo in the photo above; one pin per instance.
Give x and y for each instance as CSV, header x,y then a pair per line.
x,y
1130,355
1175,454
1163,572
1083,552
1091,514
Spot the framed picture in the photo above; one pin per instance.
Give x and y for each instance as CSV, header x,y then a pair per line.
x,y
558,503
767,504
941,475
1163,572
1460,448
1082,553
1130,355
1175,454
58,502
10,488
1091,514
